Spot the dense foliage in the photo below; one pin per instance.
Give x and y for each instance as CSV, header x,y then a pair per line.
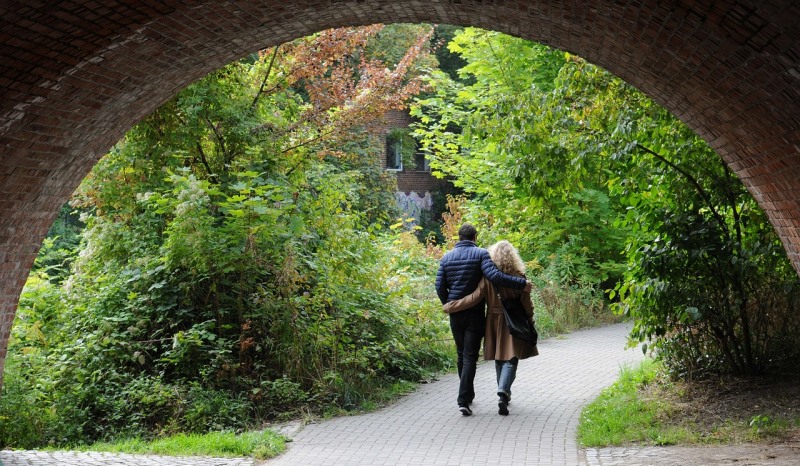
x,y
509,134
240,258
604,190
236,263
709,282
509,140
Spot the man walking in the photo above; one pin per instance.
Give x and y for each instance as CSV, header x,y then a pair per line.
x,y
460,271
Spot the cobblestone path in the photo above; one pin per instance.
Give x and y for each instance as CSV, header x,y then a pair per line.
x,y
425,427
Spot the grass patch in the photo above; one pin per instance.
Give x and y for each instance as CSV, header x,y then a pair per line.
x,y
261,445
645,407
621,415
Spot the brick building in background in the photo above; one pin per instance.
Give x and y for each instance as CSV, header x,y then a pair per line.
x,y
417,189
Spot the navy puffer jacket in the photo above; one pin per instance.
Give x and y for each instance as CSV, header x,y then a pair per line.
x,y
462,268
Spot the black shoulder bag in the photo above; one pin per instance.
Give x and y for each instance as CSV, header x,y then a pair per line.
x,y
518,323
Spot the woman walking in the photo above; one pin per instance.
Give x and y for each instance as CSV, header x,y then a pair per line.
x,y
498,344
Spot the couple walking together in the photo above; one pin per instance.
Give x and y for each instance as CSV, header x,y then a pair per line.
x,y
468,279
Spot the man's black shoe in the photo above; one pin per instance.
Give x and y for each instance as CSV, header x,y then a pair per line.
x,y
502,408
465,411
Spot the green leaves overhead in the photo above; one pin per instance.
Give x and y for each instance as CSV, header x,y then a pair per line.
x,y
585,173
522,139
229,252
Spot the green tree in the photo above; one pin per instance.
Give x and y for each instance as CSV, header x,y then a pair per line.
x,y
577,166
509,140
708,282
232,269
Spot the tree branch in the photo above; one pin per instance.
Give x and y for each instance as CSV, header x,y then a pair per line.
x,y
732,199
204,161
264,81
694,183
220,140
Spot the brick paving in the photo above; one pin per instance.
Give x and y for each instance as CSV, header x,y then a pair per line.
x,y
70,458
741,454
425,427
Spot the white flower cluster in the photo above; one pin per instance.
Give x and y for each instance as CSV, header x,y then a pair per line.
x,y
142,198
191,197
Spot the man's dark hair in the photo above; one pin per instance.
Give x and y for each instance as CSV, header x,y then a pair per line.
x,y
467,232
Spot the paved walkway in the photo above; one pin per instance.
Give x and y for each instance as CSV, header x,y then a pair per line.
x,y
71,458
698,455
425,427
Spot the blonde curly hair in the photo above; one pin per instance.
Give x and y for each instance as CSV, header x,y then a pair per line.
x,y
506,258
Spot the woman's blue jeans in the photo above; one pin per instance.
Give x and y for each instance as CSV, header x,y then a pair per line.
x,y
506,373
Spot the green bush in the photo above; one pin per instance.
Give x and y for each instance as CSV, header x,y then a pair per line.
x,y
153,355
566,302
711,287
226,275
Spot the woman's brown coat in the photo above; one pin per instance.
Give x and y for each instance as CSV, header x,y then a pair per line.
x,y
498,344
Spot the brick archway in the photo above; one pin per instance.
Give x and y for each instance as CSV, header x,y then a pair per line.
x,y
75,76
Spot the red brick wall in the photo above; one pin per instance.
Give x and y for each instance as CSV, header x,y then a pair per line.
x,y
409,178
420,182
75,75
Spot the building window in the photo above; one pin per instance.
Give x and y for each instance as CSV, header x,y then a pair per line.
x,y
421,162
394,154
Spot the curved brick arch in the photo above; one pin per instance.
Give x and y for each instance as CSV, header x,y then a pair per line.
x,y
75,76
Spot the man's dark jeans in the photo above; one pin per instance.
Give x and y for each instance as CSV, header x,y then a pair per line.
x,y
467,327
